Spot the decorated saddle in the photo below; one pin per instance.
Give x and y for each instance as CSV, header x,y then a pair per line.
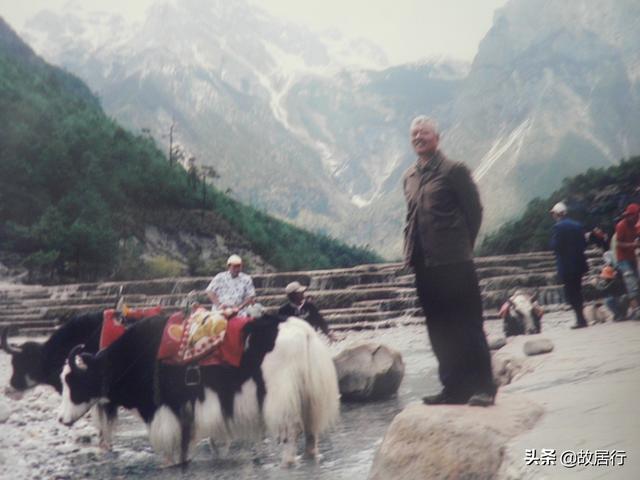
x,y
202,338
115,322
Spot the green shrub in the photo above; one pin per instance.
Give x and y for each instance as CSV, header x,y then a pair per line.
x,y
41,264
72,181
595,198
162,266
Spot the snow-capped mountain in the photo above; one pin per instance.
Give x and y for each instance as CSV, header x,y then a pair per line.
x,y
313,126
221,70
553,91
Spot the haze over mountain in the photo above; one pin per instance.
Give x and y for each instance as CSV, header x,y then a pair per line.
x,y
83,198
314,127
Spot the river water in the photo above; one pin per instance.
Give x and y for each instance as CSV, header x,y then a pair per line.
x,y
33,445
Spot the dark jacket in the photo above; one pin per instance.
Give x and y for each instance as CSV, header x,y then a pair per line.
x,y
568,243
309,312
443,212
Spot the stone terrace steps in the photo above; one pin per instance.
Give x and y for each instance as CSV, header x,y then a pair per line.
x,y
347,318
366,296
390,304
376,324
30,321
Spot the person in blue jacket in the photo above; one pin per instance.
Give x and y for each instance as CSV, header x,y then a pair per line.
x,y
568,242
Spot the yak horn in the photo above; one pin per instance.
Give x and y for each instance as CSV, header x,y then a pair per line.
x,y
76,360
11,349
119,299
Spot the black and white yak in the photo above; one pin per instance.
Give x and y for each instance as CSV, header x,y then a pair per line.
x,y
286,385
521,315
35,363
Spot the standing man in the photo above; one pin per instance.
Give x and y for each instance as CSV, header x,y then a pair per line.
x,y
443,219
231,289
568,243
627,262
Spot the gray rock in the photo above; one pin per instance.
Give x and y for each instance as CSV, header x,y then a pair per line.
x,y
538,346
370,371
68,448
597,313
496,343
448,442
5,411
87,455
505,368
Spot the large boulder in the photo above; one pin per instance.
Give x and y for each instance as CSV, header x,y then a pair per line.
x,y
451,441
370,371
496,343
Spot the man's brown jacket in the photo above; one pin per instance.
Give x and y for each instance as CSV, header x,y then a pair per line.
x,y
443,211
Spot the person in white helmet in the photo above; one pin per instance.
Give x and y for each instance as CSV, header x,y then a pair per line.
x,y
568,244
232,290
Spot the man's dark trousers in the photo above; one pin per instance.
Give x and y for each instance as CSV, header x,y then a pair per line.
x,y
451,301
573,292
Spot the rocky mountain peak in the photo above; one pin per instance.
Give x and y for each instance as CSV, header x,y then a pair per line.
x,y
313,127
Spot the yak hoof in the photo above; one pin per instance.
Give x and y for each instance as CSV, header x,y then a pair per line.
x,y
289,462
105,446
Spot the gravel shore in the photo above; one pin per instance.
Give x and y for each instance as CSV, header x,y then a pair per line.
x,y
589,387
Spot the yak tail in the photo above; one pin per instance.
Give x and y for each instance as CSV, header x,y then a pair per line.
x,y
301,382
321,400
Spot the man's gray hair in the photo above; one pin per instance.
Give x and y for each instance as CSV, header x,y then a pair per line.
x,y
426,121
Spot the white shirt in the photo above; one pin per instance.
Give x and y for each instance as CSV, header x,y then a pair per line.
x,y
232,291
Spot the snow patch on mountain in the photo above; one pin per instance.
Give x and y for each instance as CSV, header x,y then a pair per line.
x,y
442,67
501,147
353,53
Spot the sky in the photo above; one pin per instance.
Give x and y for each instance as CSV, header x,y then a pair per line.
x,y
407,30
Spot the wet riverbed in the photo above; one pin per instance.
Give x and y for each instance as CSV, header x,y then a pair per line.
x,y
34,446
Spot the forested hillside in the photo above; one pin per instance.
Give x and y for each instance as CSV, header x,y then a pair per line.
x,y
596,198
74,184
551,92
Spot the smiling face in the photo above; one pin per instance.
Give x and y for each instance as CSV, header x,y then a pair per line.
x,y
235,269
424,139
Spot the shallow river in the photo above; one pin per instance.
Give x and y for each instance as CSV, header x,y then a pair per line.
x,y
33,445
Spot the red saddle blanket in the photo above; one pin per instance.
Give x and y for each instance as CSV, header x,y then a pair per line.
x,y
227,352
113,326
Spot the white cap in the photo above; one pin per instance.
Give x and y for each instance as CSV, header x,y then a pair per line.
x,y
294,287
559,208
234,260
